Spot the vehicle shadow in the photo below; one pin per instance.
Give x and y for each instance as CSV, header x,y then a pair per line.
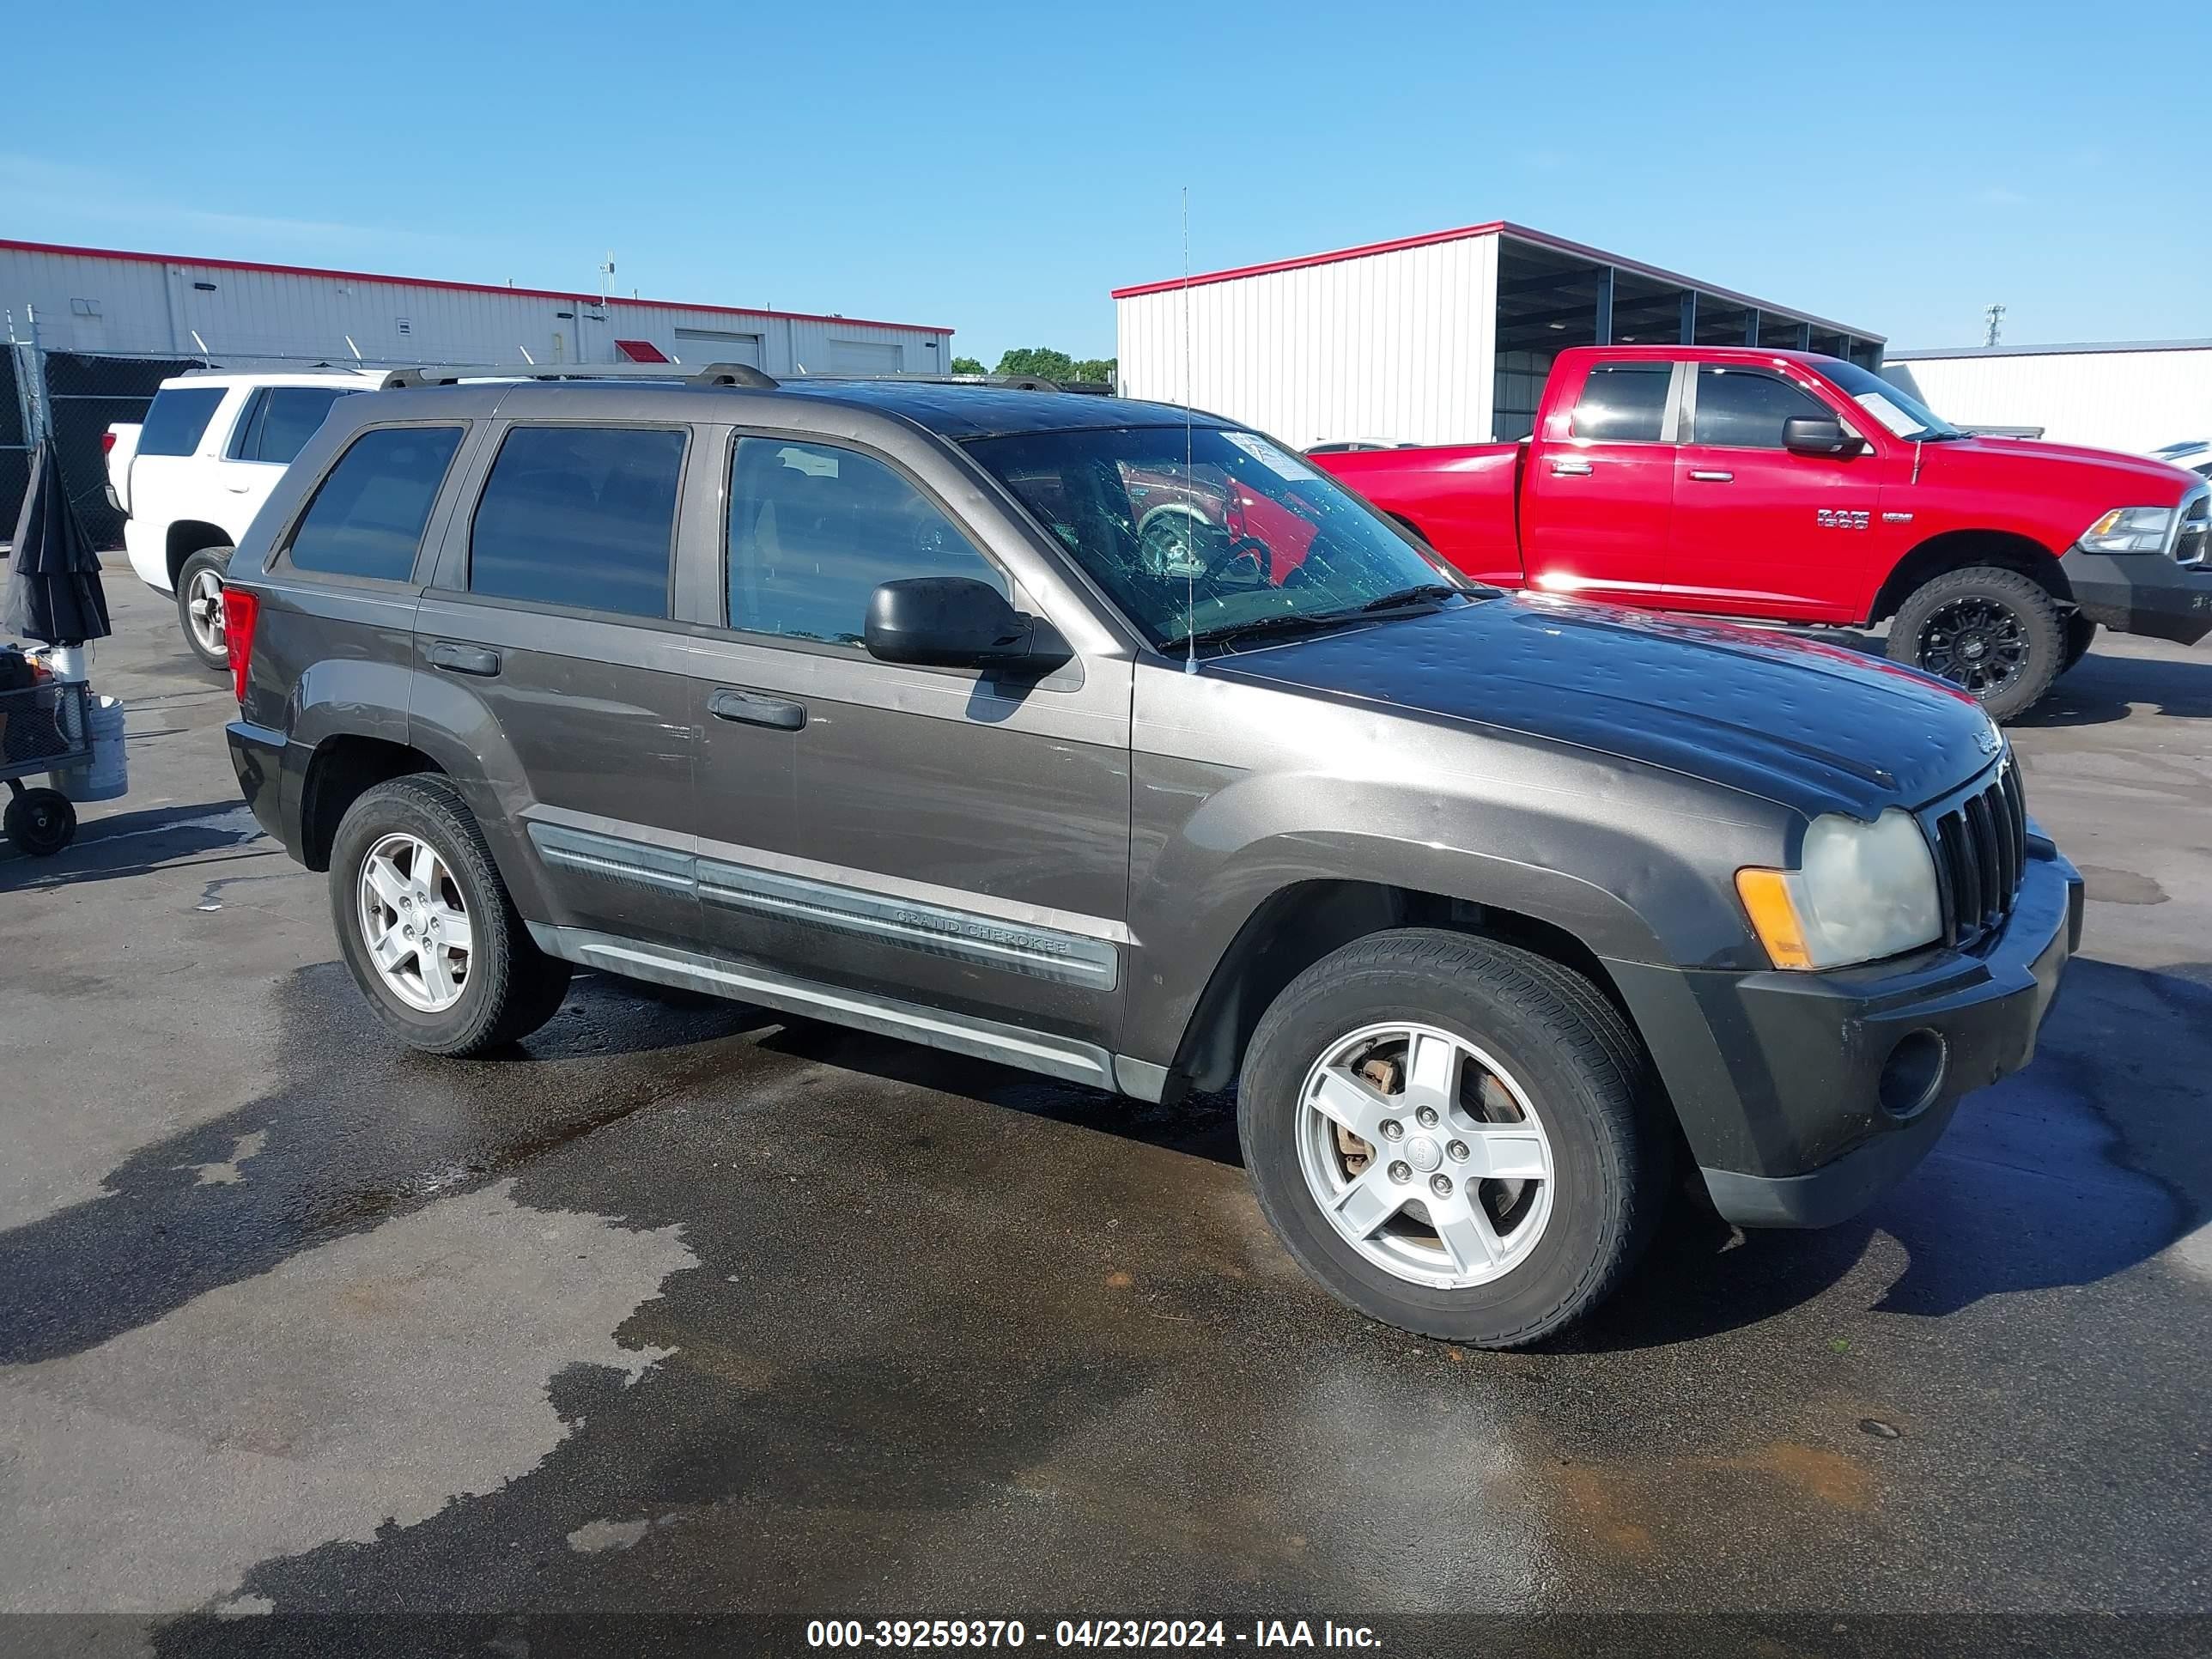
x,y
357,1129
131,843
2102,688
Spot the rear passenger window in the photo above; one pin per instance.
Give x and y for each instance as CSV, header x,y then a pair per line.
x,y
367,518
284,419
579,516
815,530
1623,402
178,419
1744,408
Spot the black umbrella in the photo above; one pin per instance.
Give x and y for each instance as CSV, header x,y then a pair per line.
x,y
53,575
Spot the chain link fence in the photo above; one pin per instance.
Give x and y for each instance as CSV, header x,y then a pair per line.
x,y
72,397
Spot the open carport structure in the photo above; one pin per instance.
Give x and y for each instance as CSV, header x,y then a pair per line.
x,y
1438,338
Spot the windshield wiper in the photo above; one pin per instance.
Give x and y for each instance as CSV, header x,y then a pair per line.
x,y
1259,627
1413,596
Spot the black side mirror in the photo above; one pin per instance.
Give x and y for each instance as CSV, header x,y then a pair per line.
x,y
1819,435
955,622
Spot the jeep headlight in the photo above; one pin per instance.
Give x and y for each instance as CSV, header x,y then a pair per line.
x,y
2130,530
1860,891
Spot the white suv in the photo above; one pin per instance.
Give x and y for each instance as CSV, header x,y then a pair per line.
x,y
191,476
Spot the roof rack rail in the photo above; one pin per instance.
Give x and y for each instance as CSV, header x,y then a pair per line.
x,y
737,374
999,382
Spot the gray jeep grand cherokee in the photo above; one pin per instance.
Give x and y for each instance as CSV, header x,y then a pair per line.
x,y
1120,744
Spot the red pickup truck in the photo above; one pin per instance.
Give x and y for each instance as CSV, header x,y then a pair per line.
x,y
1791,487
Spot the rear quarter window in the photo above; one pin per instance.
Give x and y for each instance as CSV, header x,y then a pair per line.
x,y
178,419
369,513
580,517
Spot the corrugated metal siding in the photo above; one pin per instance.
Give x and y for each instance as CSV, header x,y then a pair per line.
x,y
1396,346
153,307
2128,400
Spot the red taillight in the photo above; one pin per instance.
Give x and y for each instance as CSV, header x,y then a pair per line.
x,y
107,443
240,610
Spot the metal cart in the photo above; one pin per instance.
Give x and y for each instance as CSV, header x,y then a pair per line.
x,y
42,727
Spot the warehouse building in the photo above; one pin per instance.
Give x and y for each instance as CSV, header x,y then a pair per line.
x,y
102,300
1439,338
2134,395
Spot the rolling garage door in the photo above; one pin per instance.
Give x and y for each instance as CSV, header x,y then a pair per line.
x,y
862,357
716,345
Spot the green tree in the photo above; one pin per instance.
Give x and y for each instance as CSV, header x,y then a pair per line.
x,y
968,366
1050,365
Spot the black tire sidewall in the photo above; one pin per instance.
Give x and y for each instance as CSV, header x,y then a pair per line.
x,y
19,822
1566,1268
407,808
2040,618
218,559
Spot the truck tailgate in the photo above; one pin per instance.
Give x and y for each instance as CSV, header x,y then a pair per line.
x,y
1461,498
122,450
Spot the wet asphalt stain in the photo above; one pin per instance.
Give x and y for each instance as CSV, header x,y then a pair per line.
x,y
2121,886
357,1130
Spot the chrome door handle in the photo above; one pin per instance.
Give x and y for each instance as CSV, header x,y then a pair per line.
x,y
752,708
1571,469
1712,477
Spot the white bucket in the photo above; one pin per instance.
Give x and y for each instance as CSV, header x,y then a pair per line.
x,y
68,662
107,775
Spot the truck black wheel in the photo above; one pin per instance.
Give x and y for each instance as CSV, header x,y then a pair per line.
x,y
2080,631
40,822
199,604
427,927
1992,631
1454,1136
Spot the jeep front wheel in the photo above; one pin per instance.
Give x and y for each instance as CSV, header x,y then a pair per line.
x,y
1455,1137
1992,632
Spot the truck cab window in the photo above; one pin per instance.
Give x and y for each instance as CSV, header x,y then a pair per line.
x,y
1623,402
1744,408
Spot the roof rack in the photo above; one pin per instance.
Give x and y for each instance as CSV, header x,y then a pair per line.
x,y
738,374
733,374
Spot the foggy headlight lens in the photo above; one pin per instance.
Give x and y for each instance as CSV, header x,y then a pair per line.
x,y
1862,892
2130,530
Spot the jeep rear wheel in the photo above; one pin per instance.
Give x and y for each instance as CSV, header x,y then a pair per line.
x,y
1992,632
1455,1137
427,927
199,604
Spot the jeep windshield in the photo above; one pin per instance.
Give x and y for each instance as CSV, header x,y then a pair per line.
x,y
1208,536
1903,415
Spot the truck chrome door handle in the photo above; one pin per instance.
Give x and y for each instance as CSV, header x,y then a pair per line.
x,y
463,658
1712,477
752,708
1571,469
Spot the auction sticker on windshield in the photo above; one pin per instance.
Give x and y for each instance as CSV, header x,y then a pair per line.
x,y
1281,464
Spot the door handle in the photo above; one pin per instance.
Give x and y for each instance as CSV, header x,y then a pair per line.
x,y
1571,469
463,658
238,490
1713,477
752,708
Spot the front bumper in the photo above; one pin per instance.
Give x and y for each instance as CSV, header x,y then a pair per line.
x,y
1787,1084
2142,593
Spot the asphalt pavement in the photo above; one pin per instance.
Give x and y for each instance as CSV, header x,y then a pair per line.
x,y
687,1317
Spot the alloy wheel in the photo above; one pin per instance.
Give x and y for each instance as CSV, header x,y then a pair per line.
x,y
1425,1155
203,605
415,922
1976,643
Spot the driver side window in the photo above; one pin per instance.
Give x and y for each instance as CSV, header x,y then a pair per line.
x,y
815,529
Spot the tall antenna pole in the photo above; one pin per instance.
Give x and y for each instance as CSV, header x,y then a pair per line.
x,y
1189,569
1996,315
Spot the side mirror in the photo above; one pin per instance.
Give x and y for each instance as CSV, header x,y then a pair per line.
x,y
1819,435
955,622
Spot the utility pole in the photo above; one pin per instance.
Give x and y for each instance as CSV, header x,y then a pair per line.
x,y
1996,315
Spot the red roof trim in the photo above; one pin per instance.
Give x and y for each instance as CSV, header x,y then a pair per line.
x,y
1496,228
456,288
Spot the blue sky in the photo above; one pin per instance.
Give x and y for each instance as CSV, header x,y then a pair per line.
x,y
998,168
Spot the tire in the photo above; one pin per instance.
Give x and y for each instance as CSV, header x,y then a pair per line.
x,y
2080,631
40,822
199,585
506,987
1993,632
1516,1021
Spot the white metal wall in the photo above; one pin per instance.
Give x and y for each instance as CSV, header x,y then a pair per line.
x,y
1396,346
2127,400
94,302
